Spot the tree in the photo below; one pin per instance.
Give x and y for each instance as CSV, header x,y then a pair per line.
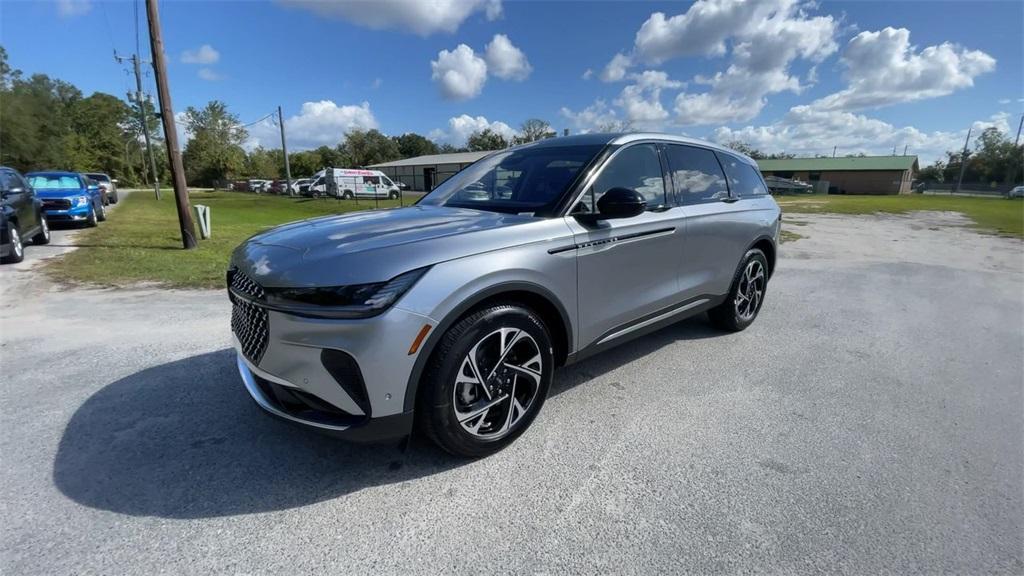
x,y
486,139
933,173
214,151
532,130
447,148
412,144
263,163
365,148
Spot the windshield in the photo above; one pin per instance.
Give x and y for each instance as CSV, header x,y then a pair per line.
x,y
54,182
530,180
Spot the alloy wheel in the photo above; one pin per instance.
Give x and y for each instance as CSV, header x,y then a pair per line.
x,y
16,244
750,291
497,383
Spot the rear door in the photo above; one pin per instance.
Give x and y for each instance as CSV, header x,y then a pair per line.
x,y
715,234
627,268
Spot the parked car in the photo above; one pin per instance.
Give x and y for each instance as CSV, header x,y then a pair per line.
x,y
259,186
21,216
108,184
298,184
278,187
458,309
1017,192
68,197
349,183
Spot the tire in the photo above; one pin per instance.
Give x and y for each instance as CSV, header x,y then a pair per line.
x,y
113,200
17,246
393,195
455,388
43,237
347,195
91,221
746,295
102,214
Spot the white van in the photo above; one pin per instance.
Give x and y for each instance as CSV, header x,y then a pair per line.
x,y
349,183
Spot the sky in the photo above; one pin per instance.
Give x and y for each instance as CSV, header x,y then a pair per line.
x,y
781,75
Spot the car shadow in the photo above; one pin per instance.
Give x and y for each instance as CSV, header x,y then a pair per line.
x,y
184,440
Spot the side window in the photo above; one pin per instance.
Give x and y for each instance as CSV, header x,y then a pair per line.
x,y
696,175
744,181
6,181
636,167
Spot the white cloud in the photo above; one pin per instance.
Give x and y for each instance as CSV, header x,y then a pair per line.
x,y
882,68
641,101
765,37
208,74
205,54
460,74
72,8
1004,101
423,18
506,61
461,127
322,123
597,116
588,74
616,68
806,131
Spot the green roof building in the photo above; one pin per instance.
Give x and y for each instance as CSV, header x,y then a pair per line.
x,y
852,175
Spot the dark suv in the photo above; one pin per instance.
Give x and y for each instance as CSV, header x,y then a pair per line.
x,y
21,216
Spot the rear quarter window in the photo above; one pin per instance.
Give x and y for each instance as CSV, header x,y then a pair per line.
x,y
744,180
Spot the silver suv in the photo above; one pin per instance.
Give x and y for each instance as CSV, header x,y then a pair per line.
x,y
458,309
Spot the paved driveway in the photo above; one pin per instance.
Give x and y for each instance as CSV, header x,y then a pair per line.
x,y
871,420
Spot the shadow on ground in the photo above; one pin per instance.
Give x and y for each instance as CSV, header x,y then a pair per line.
x,y
184,440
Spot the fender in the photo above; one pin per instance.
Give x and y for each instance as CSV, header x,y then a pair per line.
x,y
772,258
438,331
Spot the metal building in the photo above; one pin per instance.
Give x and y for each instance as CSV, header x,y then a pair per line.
x,y
849,175
424,173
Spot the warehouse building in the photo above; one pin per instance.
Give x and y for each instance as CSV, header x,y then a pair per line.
x,y
853,175
424,173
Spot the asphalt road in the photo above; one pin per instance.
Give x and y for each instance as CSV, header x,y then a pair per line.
x,y
870,421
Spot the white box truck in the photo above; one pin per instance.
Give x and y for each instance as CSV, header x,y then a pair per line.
x,y
352,183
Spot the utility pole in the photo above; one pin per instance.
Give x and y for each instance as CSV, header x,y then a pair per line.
x,y
963,162
1016,140
905,149
834,151
284,148
156,44
143,116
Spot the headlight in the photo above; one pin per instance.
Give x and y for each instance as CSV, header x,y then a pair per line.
x,y
355,301
81,200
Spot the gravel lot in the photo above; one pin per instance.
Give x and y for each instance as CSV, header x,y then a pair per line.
x,y
871,420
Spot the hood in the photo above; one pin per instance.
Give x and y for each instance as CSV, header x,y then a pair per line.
x,y
374,246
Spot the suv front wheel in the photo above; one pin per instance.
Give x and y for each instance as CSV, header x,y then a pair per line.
x,y
486,381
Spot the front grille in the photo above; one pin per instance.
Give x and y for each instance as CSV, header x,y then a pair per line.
x,y
56,204
249,321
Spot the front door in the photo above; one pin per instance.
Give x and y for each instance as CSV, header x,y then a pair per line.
x,y
627,268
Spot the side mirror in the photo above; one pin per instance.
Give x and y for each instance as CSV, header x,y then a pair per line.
x,y
617,203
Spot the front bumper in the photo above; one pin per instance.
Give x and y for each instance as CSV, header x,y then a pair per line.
x,y
370,430
75,214
343,377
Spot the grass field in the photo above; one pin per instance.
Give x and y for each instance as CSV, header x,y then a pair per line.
x,y
995,215
140,241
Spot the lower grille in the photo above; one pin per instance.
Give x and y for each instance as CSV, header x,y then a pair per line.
x,y
56,204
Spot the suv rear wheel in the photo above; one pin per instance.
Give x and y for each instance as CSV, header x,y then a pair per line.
x,y
746,296
43,237
487,380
